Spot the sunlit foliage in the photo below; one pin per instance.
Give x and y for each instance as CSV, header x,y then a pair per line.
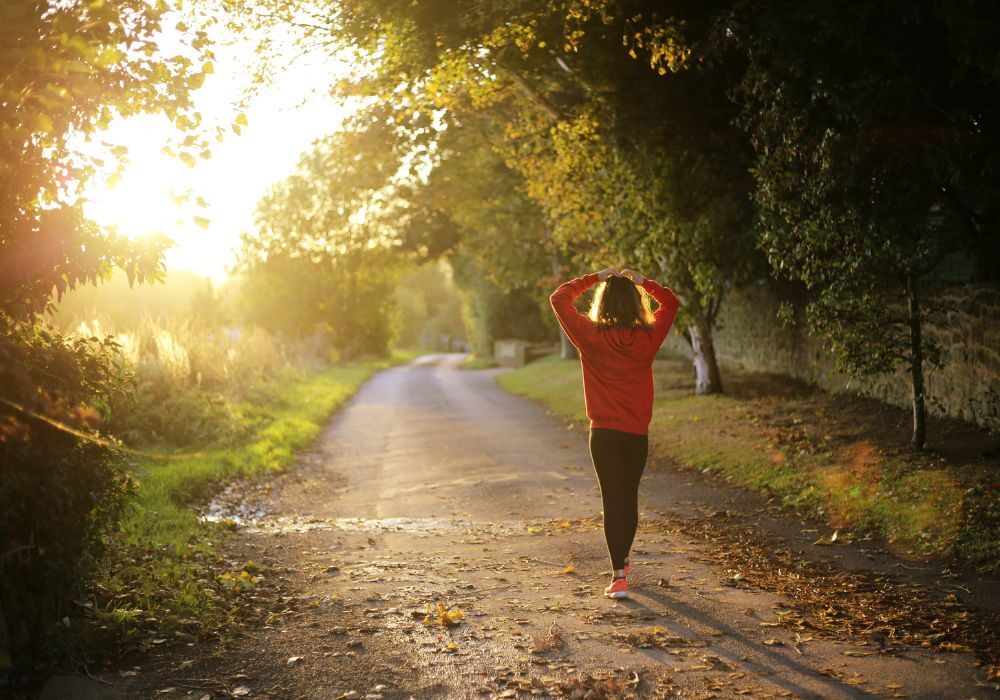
x,y
625,160
68,69
428,309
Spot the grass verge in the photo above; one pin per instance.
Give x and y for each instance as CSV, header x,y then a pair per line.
x,y
843,458
163,579
478,362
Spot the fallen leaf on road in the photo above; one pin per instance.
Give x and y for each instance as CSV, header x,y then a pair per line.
x,y
443,616
240,691
294,659
656,637
828,540
570,568
544,642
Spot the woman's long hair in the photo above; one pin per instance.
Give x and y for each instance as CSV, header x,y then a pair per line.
x,y
618,303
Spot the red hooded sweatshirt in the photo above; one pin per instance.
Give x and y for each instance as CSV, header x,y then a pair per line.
x,y
617,363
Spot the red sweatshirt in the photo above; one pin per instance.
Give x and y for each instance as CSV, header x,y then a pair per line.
x,y
617,363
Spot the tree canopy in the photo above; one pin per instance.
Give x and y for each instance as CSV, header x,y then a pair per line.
x,y
876,132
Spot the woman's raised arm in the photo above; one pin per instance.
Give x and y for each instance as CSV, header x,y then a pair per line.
x,y
663,317
576,325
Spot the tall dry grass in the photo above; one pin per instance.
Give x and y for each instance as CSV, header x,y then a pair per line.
x,y
195,384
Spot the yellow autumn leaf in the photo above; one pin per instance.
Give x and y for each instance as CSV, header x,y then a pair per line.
x,y
443,616
570,568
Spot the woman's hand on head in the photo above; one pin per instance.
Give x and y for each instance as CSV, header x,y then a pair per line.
x,y
633,275
608,272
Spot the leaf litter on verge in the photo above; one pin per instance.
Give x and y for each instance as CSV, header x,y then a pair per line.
x,y
831,602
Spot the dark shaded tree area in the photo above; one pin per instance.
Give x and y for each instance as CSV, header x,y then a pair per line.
x,y
876,129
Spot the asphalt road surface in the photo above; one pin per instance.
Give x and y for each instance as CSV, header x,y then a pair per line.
x,y
434,486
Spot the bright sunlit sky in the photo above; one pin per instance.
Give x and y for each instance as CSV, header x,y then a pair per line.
x,y
282,121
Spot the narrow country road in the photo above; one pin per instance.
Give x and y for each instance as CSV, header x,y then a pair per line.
x,y
432,485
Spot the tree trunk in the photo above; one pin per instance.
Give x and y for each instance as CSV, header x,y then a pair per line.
x,y
706,367
567,351
916,366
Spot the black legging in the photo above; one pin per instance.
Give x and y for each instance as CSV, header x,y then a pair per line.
x,y
619,460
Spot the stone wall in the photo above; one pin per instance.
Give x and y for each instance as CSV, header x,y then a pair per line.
x,y
967,386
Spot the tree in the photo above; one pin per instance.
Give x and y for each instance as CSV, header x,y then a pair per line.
x,y
345,299
503,254
321,257
591,130
877,134
66,70
69,69
429,308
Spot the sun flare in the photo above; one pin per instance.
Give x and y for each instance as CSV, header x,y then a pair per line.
x,y
143,201
203,208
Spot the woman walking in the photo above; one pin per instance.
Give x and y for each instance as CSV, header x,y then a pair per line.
x,y
617,343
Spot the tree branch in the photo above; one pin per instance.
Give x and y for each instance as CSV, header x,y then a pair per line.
x,y
529,91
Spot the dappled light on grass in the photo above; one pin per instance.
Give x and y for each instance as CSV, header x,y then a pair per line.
x,y
919,510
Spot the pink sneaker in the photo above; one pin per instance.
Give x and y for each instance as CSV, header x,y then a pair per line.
x,y
617,589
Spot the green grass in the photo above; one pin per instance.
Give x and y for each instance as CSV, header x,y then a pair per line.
x,y
291,416
159,564
810,450
478,362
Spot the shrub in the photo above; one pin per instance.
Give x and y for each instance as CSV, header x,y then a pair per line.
x,y
189,380
61,495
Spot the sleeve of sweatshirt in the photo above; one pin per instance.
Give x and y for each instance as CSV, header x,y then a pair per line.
x,y
577,326
664,316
